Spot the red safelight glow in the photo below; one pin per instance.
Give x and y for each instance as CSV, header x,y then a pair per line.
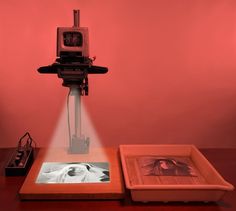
x,y
171,65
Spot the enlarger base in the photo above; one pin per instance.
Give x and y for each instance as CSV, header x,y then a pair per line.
x,y
114,189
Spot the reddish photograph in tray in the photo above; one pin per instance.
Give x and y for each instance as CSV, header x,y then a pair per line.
x,y
166,166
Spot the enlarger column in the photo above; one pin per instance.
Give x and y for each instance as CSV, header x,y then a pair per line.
x,y
77,142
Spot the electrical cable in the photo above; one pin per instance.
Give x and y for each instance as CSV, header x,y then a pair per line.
x,y
28,141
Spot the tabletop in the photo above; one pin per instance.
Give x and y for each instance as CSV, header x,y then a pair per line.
x,y
223,159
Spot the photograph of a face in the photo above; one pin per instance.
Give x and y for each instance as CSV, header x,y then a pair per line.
x,y
165,166
76,172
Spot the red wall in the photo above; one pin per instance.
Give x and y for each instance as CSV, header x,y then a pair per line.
x,y
172,70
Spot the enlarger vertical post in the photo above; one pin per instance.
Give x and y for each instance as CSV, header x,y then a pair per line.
x,y
78,142
76,18
77,102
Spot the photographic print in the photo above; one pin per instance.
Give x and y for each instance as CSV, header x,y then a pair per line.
x,y
165,166
78,172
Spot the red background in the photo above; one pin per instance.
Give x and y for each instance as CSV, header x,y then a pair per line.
x,y
172,70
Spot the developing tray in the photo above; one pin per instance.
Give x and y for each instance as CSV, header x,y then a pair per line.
x,y
187,177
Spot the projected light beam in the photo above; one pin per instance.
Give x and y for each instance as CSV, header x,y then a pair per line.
x,y
61,135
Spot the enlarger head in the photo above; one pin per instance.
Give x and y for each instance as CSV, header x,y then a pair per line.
x,y
73,63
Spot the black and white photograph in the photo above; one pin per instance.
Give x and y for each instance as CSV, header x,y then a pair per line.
x,y
76,172
165,166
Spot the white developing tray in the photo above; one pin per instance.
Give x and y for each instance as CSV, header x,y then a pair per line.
x,y
170,173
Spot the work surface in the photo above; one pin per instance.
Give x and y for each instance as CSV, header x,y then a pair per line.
x,y
224,160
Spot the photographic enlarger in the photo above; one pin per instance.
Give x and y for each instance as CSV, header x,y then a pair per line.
x,y
77,172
